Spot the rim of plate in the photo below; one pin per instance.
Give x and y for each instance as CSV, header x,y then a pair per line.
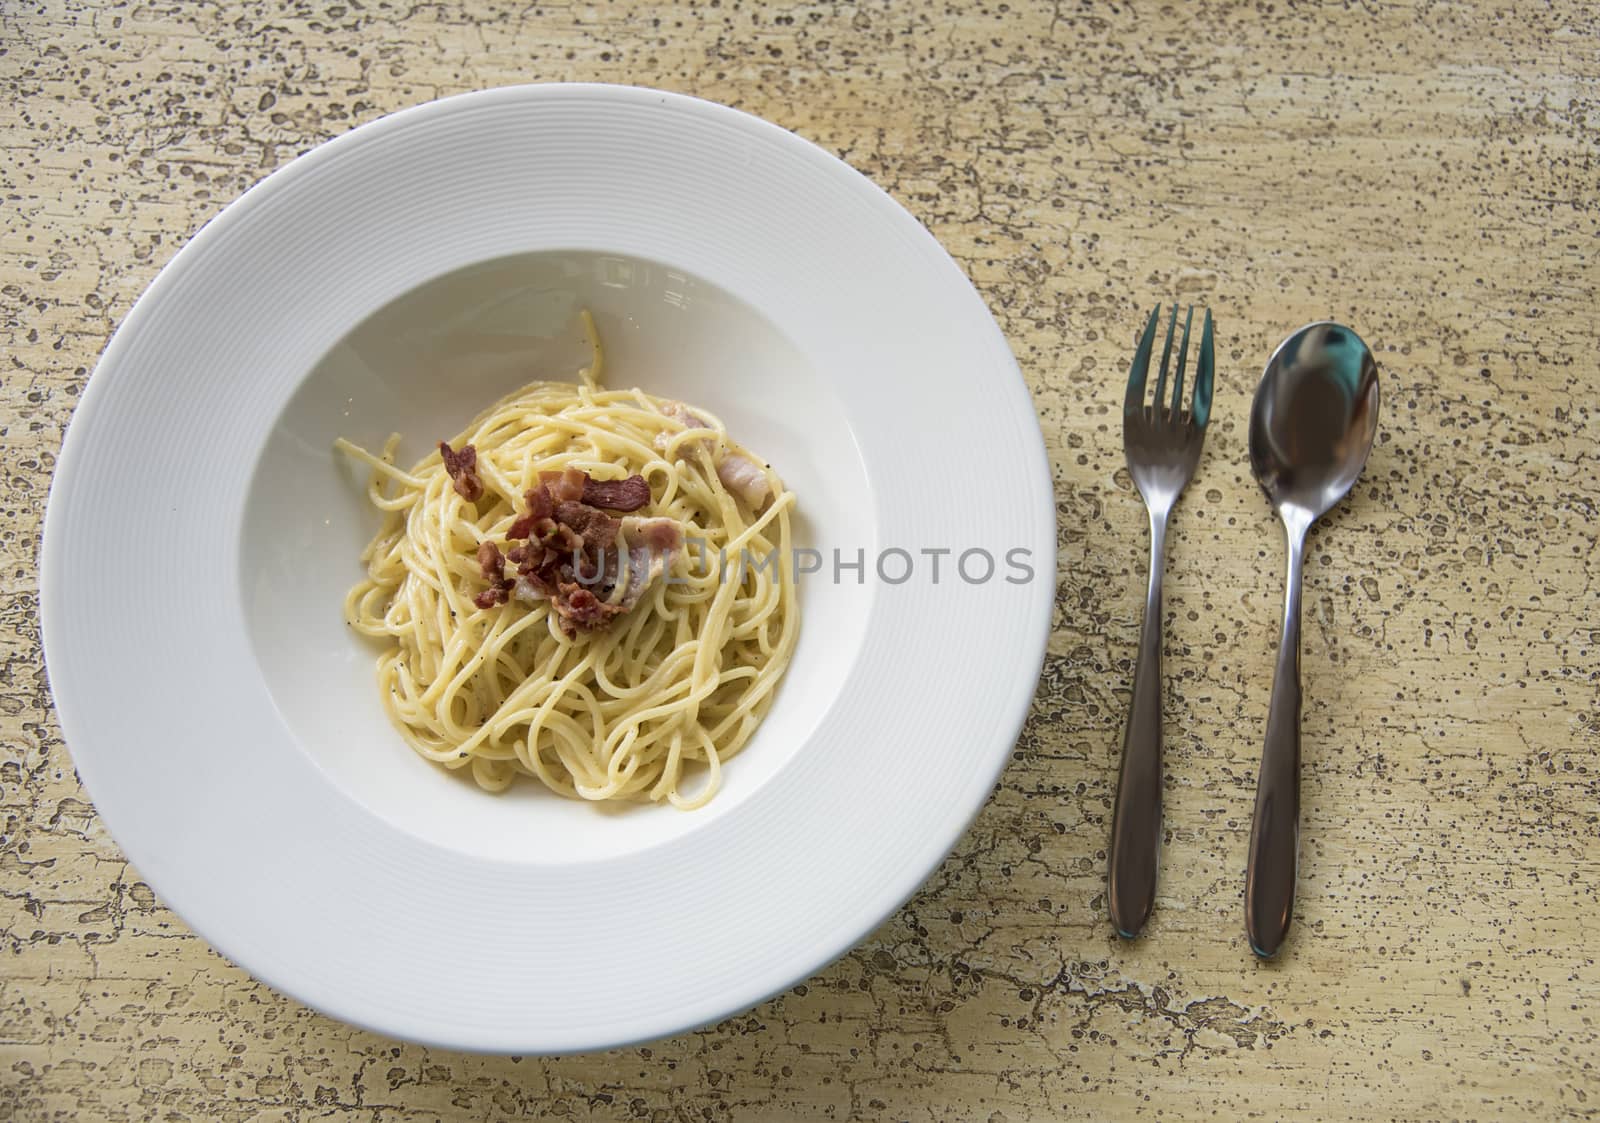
x,y
195,774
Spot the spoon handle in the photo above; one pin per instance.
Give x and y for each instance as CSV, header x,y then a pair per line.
x,y
1136,817
1275,834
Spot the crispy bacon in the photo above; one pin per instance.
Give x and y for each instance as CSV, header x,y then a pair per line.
x,y
530,559
540,504
617,495
565,550
492,562
597,529
493,565
463,469
495,594
557,536
540,507
565,484
535,585
582,608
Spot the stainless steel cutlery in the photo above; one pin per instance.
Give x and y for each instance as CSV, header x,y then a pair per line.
x,y
1162,443
1311,427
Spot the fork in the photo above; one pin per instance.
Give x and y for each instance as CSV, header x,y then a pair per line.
x,y
1162,444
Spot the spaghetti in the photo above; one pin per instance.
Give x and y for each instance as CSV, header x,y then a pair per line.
x,y
684,655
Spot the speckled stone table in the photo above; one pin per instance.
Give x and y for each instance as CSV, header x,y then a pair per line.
x,y
1429,173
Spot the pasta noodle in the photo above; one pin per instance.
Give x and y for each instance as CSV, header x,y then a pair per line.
x,y
628,711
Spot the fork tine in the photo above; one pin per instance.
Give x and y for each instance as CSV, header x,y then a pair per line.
x,y
1166,359
1183,360
1204,372
1141,364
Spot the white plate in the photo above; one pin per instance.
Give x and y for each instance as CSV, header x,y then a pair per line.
x,y
201,535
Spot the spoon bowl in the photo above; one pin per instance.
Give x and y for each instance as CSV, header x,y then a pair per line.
x,y
1314,418
1311,427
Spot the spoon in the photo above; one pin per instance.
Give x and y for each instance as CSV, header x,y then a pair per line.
x,y
1311,427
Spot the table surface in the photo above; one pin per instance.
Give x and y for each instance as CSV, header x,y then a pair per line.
x,y
1428,173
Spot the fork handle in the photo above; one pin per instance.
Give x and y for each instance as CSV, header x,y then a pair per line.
x,y
1275,833
1136,817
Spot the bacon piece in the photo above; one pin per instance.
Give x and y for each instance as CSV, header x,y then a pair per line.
x,y
493,565
586,569
659,535
565,484
617,495
492,562
576,608
495,594
652,544
540,506
739,474
582,608
683,415
463,469
557,537
529,559
568,556
536,582
597,529
744,477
